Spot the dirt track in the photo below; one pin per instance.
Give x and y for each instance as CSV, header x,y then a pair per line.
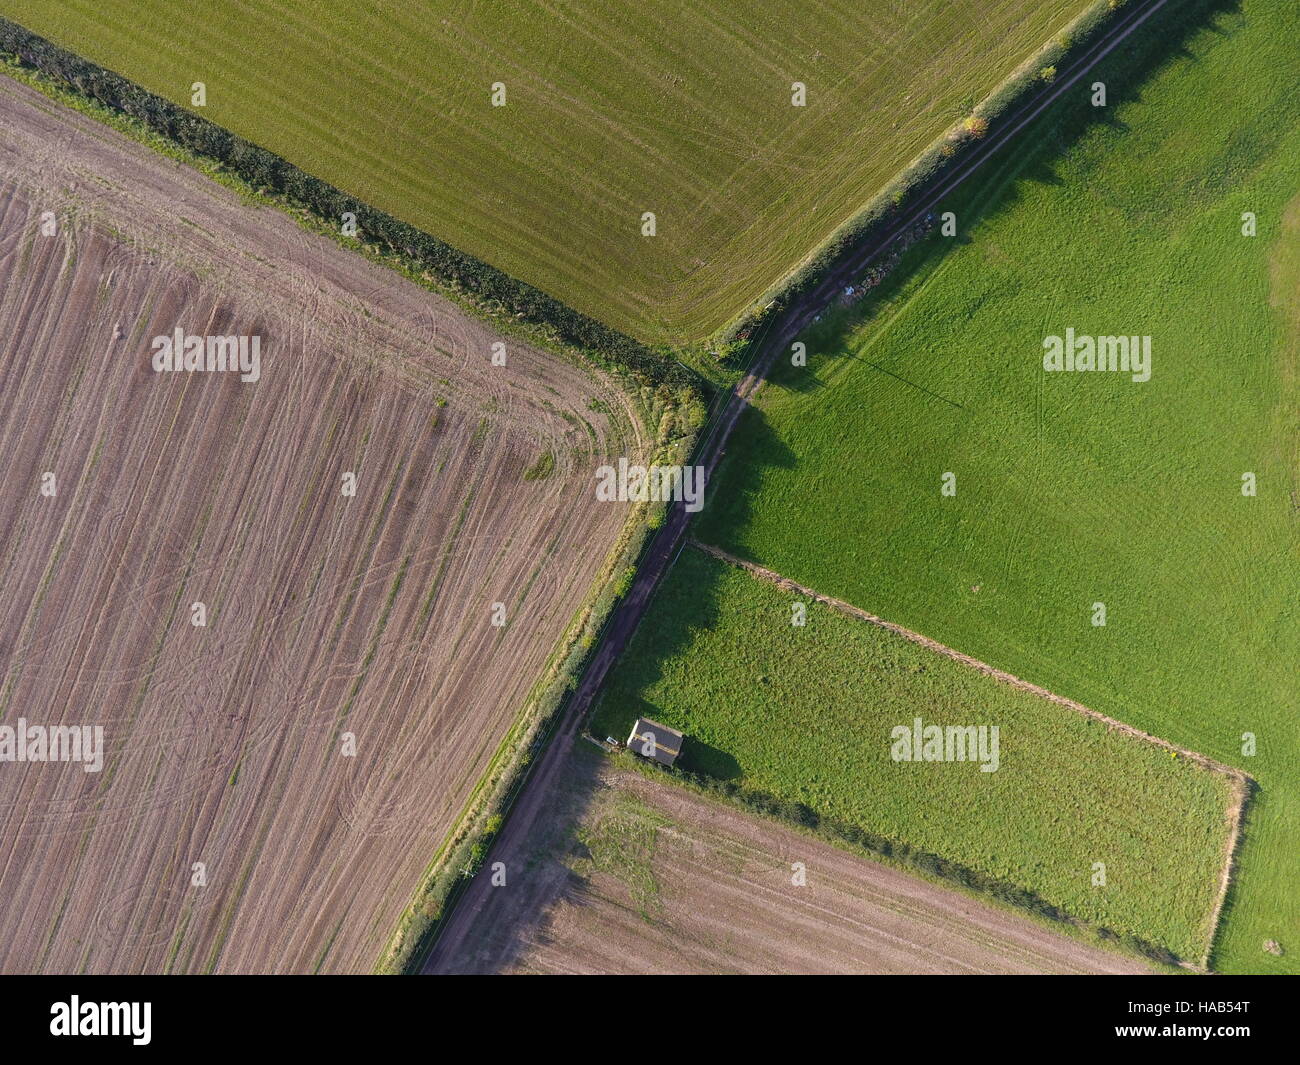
x,y
636,875
464,922
326,614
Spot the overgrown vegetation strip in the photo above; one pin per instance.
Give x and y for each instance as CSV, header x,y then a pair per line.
x,y
794,709
341,397
1242,784
549,707
1171,500
785,583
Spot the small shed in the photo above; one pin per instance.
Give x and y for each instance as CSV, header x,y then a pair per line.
x,y
653,740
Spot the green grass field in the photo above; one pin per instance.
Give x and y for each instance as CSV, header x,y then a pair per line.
x,y
1074,489
612,109
805,713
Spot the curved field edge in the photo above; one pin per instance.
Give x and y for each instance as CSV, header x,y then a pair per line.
x,y
799,719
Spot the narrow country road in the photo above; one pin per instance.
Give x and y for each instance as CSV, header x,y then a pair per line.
x,y
511,844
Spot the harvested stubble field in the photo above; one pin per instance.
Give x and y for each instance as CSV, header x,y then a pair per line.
x,y
636,874
806,714
611,110
1078,488
326,614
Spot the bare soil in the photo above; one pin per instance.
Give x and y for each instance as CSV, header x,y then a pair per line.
x,y
326,614
633,874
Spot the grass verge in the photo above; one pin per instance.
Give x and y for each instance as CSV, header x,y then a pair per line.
x,y
1080,821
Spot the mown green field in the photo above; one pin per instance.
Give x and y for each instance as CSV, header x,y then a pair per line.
x,y
1083,488
612,110
806,713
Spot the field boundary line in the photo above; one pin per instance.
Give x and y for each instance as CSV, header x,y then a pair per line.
x,y
1243,783
1077,46
725,409
514,307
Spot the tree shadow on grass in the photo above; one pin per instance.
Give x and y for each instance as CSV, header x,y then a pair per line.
x,y
513,920
1032,159
678,611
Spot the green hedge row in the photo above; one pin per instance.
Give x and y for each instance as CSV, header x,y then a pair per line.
x,y
263,170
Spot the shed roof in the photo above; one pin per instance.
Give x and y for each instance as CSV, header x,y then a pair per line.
x,y
667,741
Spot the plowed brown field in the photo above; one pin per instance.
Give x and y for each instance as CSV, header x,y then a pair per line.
x,y
628,873
326,614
